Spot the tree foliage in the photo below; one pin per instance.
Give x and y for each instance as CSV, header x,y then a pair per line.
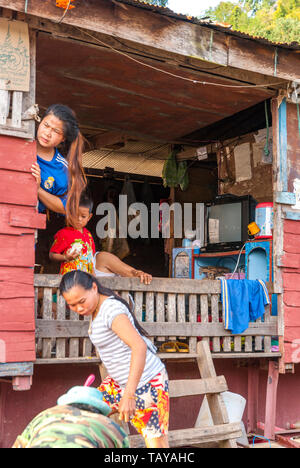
x,y
162,3
277,21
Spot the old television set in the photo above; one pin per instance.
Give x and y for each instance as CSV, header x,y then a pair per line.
x,y
226,222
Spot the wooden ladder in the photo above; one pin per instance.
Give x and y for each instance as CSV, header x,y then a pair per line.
x,y
222,432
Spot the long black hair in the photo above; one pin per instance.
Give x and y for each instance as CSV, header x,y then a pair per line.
x,y
86,281
73,144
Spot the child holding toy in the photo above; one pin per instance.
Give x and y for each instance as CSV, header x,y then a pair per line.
x,y
74,246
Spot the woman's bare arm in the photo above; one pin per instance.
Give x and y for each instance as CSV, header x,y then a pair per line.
x,y
108,262
122,326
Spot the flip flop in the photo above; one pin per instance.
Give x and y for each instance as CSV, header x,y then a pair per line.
x,y
168,347
182,347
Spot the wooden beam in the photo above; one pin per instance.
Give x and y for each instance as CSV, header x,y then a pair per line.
x,y
195,436
271,400
183,388
107,139
165,285
140,50
14,369
179,37
75,328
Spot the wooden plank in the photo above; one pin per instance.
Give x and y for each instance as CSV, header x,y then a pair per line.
x,y
17,275
5,215
181,314
29,218
192,320
74,342
150,308
138,305
215,319
4,102
171,317
76,328
291,281
47,315
282,173
204,311
253,398
17,188
166,285
17,250
181,37
289,260
13,290
216,404
195,436
292,227
17,314
291,243
61,315
17,101
182,388
16,368
291,298
286,198
160,310
19,346
271,400
292,215
18,154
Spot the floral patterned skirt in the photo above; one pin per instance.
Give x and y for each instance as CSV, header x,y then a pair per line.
x,y
152,404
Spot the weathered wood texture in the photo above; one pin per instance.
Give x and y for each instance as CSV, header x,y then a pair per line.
x,y
18,221
169,309
175,36
291,286
14,119
289,260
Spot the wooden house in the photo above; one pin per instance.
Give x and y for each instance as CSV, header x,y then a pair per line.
x,y
134,72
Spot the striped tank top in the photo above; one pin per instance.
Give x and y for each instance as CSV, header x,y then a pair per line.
x,y
114,353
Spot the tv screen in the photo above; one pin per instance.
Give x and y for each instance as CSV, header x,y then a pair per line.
x,y
225,223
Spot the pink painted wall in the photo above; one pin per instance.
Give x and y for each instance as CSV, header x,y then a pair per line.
x,y
50,381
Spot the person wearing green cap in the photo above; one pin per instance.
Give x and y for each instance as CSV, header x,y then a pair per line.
x,y
78,421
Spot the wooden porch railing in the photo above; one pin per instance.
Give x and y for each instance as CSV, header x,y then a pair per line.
x,y
169,309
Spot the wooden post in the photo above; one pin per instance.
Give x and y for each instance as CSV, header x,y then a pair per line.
x,y
271,400
216,404
253,397
172,201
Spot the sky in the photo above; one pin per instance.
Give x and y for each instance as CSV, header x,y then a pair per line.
x,y
192,7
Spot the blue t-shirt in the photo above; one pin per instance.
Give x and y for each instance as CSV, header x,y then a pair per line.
x,y
54,177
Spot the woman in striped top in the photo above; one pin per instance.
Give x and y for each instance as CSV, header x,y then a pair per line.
x,y
137,384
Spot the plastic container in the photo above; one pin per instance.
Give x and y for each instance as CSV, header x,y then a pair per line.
x,y
264,220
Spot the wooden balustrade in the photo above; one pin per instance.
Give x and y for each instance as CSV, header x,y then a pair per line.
x,y
168,309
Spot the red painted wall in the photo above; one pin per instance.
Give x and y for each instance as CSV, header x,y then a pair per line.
x,y
18,221
291,248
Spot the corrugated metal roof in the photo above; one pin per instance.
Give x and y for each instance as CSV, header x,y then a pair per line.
x,y
210,24
134,158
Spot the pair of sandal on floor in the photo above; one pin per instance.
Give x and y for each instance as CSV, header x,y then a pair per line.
x,y
174,347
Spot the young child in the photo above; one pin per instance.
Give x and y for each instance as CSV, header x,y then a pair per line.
x,y
137,384
74,246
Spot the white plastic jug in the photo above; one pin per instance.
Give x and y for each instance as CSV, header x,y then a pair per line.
x,y
235,405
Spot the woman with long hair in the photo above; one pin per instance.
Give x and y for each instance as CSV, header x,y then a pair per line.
x,y
137,382
60,180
